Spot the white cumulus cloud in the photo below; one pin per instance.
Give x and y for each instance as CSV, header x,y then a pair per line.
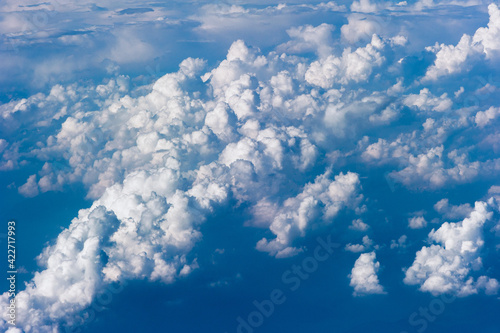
x,y
364,278
445,267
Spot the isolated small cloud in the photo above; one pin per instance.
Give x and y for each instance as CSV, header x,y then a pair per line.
x,y
417,222
399,243
359,225
364,278
355,248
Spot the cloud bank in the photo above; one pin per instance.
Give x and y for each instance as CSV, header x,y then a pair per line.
x,y
289,133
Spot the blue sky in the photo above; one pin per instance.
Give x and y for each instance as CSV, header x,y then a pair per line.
x,y
251,166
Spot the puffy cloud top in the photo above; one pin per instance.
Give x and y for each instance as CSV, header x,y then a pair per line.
x,y
289,136
364,277
445,268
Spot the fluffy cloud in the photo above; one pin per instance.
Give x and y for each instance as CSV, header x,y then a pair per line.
x,y
352,66
359,27
157,160
324,198
72,272
417,222
310,39
355,248
275,133
30,188
427,164
399,243
487,37
449,58
446,267
142,225
364,278
425,101
428,170
452,212
364,6
484,117
359,225
452,59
